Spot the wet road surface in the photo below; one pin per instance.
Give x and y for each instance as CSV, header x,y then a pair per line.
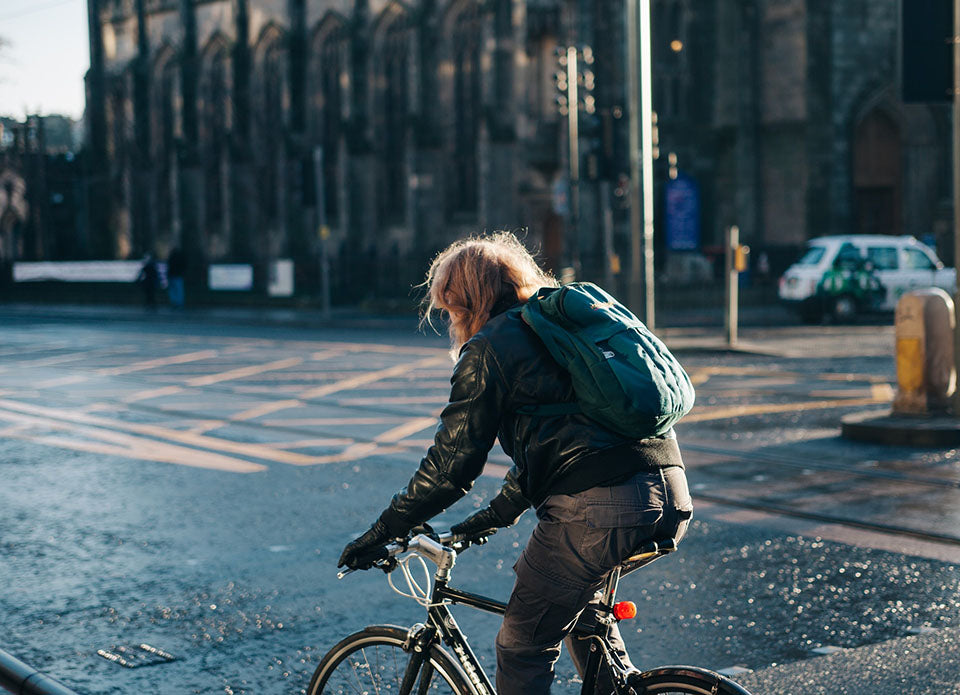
x,y
191,486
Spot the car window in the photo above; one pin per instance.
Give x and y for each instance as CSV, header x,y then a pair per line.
x,y
883,257
848,257
918,260
812,256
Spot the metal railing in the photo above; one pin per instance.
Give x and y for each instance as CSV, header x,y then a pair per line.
x,y
17,677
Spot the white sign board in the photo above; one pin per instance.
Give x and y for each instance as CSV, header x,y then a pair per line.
x,y
236,277
281,278
78,271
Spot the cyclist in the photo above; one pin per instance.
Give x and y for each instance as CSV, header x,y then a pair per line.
x,y
597,494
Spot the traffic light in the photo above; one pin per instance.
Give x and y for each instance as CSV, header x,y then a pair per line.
x,y
927,50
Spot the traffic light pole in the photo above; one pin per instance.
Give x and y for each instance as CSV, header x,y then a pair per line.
x,y
573,133
641,158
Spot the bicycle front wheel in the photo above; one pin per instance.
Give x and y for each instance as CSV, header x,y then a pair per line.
x,y
683,680
373,661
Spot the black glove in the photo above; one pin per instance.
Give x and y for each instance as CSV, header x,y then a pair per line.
x,y
478,522
378,535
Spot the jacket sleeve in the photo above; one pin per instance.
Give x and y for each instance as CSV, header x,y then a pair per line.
x,y
468,427
510,503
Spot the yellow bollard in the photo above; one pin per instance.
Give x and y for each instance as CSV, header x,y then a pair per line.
x,y
926,377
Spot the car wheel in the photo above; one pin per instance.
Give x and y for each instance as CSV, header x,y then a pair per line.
x,y
844,308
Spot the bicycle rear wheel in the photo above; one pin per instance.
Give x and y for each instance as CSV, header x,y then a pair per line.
x,y
683,680
373,661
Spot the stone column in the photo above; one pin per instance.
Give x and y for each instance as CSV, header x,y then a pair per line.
x,y
426,200
299,170
144,236
359,216
243,195
498,205
191,180
98,199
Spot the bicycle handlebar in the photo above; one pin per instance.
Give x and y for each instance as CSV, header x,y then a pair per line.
x,y
433,548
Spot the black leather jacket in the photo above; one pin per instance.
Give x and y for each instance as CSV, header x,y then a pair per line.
x,y
502,367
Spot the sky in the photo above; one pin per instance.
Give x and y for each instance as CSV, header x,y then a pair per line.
x,y
42,68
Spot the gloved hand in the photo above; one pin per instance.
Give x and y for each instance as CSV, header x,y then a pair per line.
x,y
484,520
378,535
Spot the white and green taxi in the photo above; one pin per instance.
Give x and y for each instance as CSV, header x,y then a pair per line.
x,y
842,276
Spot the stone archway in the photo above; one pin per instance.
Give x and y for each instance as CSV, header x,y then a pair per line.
x,y
877,174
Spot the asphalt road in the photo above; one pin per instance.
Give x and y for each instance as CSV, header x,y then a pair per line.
x,y
188,482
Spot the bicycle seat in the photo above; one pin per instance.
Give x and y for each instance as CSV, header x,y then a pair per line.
x,y
648,552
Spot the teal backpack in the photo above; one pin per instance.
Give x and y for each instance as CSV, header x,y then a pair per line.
x,y
623,376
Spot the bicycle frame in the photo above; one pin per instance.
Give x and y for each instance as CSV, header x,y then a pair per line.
x,y
443,627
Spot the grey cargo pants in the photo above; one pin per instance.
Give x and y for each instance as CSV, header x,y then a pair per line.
x,y
578,540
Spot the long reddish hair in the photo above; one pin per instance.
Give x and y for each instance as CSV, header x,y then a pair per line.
x,y
471,277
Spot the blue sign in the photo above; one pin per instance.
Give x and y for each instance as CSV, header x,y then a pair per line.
x,y
682,222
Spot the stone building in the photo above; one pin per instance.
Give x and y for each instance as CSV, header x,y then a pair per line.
x,y
217,125
40,190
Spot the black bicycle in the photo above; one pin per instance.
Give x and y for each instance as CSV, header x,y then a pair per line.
x,y
390,659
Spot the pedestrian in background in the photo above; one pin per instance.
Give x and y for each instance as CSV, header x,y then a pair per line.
x,y
599,495
149,280
176,269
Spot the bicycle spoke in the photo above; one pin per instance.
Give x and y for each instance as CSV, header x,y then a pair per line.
x,y
373,674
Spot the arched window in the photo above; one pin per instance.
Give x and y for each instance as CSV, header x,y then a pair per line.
x,y
269,126
163,148
214,125
465,38
328,65
391,62
118,141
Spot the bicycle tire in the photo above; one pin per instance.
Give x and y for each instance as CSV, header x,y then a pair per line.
x,y
337,674
683,680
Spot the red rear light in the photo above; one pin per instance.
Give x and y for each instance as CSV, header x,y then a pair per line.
x,y
624,610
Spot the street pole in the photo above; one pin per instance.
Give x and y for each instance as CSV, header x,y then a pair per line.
x,y
731,286
573,133
956,195
640,109
322,230
646,115
636,218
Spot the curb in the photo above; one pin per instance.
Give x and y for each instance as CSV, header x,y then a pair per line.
x,y
898,430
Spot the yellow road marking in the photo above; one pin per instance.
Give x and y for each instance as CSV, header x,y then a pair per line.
x,y
121,444
159,362
322,421
265,409
306,443
61,381
412,427
882,392
722,413
52,415
417,443
152,393
397,400
495,470
703,374
369,377
243,372
205,426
